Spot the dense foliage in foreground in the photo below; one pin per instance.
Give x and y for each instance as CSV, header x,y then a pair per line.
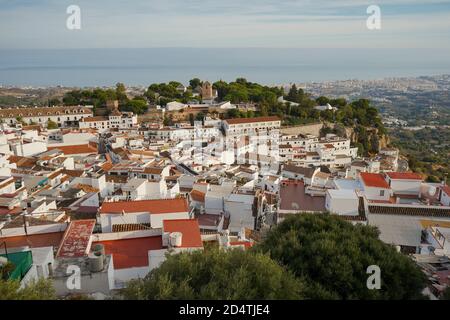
x,y
325,257
332,257
218,275
39,290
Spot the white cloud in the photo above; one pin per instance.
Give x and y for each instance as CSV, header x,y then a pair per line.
x,y
231,23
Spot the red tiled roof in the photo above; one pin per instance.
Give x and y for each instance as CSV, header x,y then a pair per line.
x,y
73,173
153,170
55,173
189,229
446,189
75,149
152,206
76,239
207,219
129,253
22,162
404,175
197,196
246,244
94,119
107,166
34,240
5,210
374,180
252,120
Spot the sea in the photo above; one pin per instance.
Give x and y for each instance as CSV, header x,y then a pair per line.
x,y
270,66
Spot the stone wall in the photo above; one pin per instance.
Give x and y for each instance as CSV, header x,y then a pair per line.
x,y
313,129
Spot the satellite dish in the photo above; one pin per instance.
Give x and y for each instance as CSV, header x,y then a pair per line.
x,y
432,190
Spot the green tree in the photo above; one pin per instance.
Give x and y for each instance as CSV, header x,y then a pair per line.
x,y
332,256
20,120
138,106
374,143
446,294
433,179
52,124
322,100
168,120
293,94
199,116
194,83
151,96
37,290
121,93
6,269
216,274
54,102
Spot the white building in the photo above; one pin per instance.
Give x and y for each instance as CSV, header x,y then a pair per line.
x,y
375,186
149,213
63,116
239,207
251,126
342,202
117,119
404,183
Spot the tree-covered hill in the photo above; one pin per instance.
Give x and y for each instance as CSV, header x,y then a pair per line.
x,y
298,107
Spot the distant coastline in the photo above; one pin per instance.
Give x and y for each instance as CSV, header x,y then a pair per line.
x,y
104,67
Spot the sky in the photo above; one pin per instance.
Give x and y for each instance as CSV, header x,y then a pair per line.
x,y
38,24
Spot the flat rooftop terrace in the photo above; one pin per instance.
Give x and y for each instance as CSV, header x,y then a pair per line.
x,y
293,198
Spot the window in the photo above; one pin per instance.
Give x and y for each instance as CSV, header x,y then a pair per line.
x,y
381,193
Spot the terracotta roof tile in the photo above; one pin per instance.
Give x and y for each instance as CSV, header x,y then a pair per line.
x,y
374,180
34,240
246,244
131,253
76,149
404,175
76,239
197,196
94,119
446,189
43,111
151,206
189,229
252,120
